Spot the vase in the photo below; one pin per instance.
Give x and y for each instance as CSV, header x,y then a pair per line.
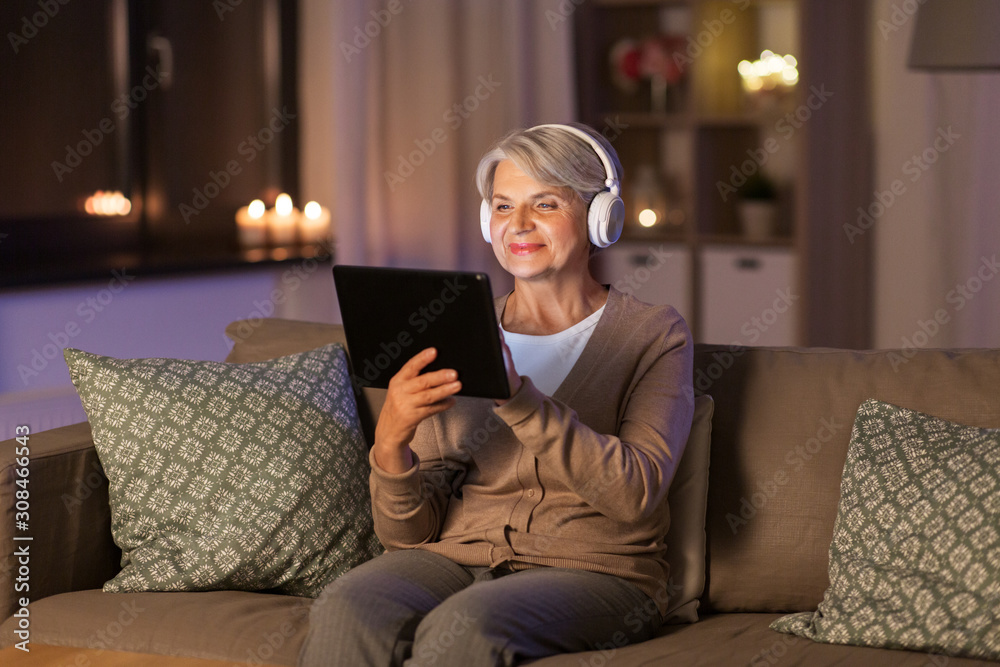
x,y
658,94
757,218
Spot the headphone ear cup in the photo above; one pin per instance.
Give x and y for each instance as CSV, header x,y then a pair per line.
x,y
605,219
485,213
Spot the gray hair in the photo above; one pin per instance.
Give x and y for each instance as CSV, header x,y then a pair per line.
x,y
551,156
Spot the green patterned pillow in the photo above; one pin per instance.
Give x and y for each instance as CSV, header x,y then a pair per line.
x,y
915,557
230,476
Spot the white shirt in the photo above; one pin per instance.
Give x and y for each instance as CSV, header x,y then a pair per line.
x,y
547,360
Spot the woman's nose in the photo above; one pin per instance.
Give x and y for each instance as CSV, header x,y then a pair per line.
x,y
520,221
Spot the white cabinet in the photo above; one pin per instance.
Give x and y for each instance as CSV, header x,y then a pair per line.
x,y
654,272
749,296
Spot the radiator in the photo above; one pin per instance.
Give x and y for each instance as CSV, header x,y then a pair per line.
x,y
40,410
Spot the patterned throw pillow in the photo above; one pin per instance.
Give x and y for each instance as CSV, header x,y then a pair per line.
x,y
915,557
230,476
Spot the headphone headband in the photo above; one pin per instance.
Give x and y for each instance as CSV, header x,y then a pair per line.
x,y
611,179
605,213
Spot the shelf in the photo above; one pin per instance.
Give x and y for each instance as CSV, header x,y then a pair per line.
x,y
619,4
655,121
732,120
653,236
160,262
681,237
684,121
734,239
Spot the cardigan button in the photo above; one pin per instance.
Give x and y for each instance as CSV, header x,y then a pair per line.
x,y
531,493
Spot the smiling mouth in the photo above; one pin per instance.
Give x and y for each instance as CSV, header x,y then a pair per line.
x,y
524,248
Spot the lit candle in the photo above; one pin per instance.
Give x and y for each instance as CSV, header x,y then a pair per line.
x,y
107,203
647,196
251,225
281,222
314,224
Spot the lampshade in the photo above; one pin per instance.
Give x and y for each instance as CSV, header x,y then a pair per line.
x,y
956,34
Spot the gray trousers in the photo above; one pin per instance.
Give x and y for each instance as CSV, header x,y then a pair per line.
x,y
414,607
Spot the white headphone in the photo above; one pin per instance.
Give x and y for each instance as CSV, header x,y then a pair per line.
x,y
606,214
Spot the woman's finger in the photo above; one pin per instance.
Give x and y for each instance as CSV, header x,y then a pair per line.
x,y
439,392
416,363
418,400
434,379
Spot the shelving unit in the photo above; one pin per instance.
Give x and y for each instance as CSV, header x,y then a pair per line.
x,y
703,128
694,138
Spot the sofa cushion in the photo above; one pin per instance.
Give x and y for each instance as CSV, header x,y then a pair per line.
x,y
259,339
249,628
779,440
226,476
744,639
255,628
915,557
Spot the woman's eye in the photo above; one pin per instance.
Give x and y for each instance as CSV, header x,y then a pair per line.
x,y
546,204
503,207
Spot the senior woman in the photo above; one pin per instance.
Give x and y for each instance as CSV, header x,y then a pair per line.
x,y
534,525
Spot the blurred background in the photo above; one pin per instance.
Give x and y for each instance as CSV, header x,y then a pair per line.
x,y
797,172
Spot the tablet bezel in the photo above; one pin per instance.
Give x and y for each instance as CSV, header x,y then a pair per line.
x,y
381,312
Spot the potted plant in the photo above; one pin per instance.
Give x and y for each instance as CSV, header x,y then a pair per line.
x,y
757,206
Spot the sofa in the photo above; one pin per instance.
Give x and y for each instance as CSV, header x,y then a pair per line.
x,y
753,510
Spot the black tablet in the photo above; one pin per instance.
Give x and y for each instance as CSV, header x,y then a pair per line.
x,y
391,314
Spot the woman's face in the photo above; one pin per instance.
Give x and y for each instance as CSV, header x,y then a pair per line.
x,y
538,231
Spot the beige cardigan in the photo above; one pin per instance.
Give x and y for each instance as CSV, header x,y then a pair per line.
x,y
577,480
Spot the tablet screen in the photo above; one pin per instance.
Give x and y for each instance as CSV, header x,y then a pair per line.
x,y
392,314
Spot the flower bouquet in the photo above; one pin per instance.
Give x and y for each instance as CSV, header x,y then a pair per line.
x,y
658,59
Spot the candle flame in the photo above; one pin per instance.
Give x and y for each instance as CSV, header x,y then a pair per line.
x,y
283,204
313,210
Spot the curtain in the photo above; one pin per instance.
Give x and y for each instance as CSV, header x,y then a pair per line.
x,y
937,140
967,202
400,100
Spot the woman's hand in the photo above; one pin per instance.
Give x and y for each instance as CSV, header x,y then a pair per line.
x,y
513,379
411,398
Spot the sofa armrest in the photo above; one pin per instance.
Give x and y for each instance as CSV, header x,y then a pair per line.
x,y
69,519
